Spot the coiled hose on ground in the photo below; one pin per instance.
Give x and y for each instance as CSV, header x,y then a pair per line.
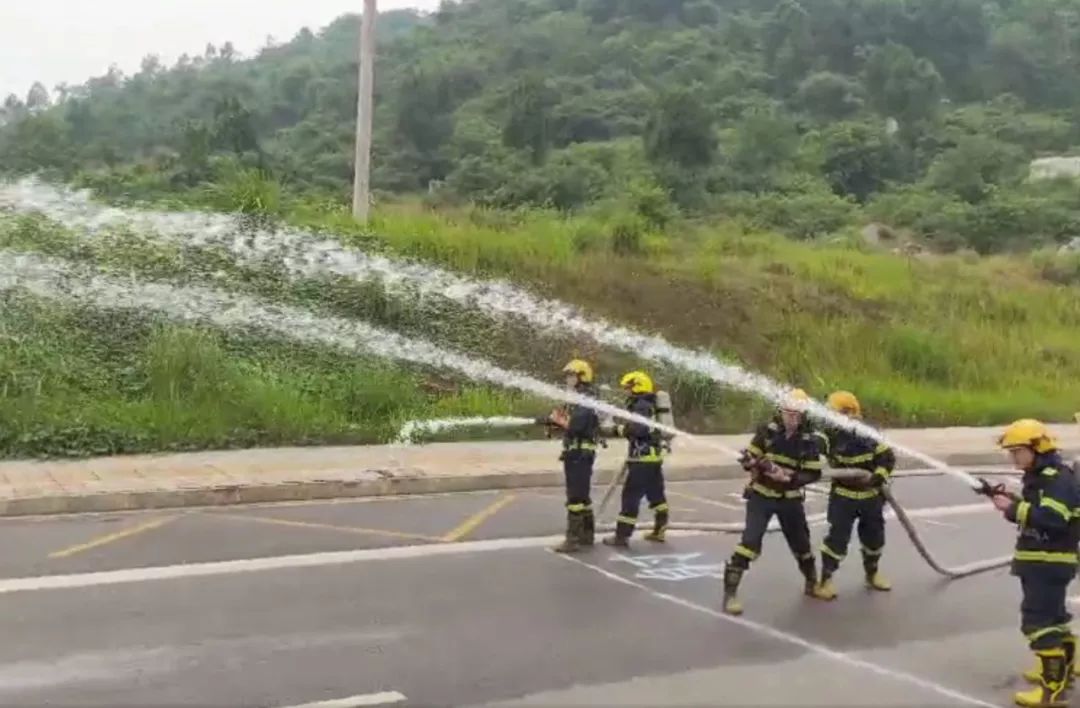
x,y
902,516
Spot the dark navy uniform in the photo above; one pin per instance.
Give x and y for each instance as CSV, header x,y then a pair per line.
x,y
1048,522
578,456
800,453
645,475
852,501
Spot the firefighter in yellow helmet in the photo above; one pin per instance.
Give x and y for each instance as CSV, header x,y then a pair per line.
x,y
580,429
784,456
1046,514
644,461
856,498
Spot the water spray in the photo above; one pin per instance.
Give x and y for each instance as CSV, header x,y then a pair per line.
x,y
412,428
54,279
305,253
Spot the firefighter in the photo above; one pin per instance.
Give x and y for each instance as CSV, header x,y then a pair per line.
x,y
784,456
580,428
855,499
644,462
1046,514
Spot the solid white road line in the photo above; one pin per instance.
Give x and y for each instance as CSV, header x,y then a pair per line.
x,y
766,630
367,699
194,570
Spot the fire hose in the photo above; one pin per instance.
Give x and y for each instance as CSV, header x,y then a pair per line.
x,y
962,571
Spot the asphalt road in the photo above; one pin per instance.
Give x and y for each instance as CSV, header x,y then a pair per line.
x,y
456,600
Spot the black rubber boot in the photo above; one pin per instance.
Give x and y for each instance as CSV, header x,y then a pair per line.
x,y
808,568
732,578
621,539
574,525
588,528
658,534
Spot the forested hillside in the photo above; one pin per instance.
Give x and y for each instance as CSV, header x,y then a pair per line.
x,y
804,117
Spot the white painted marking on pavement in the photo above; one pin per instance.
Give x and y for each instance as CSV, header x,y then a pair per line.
x,y
368,699
191,570
792,639
931,522
194,570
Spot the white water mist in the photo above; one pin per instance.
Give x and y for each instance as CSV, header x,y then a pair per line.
x,y
55,279
413,428
305,254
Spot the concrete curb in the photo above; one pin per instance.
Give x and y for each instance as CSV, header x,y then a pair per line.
x,y
378,485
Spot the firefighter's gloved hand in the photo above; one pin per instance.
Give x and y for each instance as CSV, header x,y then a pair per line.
x,y
778,473
747,461
1001,502
559,418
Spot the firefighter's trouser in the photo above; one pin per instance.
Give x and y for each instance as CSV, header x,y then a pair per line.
x,y
577,470
1044,617
791,513
845,509
643,479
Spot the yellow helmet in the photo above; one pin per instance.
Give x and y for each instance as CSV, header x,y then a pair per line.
x,y
581,368
638,381
845,402
1028,433
796,400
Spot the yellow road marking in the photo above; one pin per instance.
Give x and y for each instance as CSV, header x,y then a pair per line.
x,y
116,536
473,522
324,527
705,500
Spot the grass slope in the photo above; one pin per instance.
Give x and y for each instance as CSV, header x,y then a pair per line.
x,y
931,340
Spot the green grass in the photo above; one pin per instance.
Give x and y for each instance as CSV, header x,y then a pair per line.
x,y
927,340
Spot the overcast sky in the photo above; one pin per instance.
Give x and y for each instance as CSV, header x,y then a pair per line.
x,y
72,40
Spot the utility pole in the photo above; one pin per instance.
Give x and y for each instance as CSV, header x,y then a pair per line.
x,y
365,103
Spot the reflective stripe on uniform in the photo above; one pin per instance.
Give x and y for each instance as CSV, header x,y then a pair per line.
x,y
882,472
1048,472
1055,505
871,551
576,508
1022,510
624,519
782,459
1056,629
581,445
1046,556
773,494
830,552
855,493
746,552
663,506
854,459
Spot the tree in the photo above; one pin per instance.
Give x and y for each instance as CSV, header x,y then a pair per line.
x,y
234,128
528,120
680,130
857,159
38,98
903,86
974,166
828,96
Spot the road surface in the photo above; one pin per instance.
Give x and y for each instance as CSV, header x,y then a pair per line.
x,y
456,600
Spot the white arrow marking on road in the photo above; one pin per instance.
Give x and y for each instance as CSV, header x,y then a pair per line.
x,y
368,699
